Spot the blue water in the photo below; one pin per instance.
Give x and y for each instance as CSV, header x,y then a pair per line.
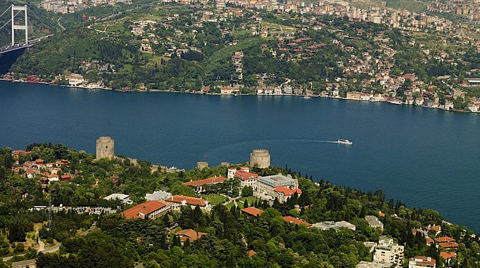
x,y
426,158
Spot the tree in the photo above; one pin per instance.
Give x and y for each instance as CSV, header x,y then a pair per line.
x,y
247,191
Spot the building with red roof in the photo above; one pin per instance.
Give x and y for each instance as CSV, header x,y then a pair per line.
x,y
448,245
178,201
243,174
202,185
448,255
149,209
434,228
421,262
283,193
252,211
189,234
444,239
296,221
246,178
18,153
251,252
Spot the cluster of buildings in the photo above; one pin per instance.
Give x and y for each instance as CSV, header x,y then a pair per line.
x,y
169,36
46,172
468,8
155,208
72,6
446,245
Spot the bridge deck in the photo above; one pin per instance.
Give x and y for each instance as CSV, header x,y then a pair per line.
x,y
10,49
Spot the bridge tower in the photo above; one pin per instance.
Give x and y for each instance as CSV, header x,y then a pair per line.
x,y
19,27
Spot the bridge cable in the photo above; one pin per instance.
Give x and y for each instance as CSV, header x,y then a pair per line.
x,y
8,22
35,15
6,11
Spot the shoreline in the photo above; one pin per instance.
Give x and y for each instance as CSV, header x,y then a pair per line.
x,y
233,95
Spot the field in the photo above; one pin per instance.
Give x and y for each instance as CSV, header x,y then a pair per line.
x,y
214,199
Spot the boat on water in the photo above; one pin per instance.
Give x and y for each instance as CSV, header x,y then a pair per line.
x,y
344,142
307,97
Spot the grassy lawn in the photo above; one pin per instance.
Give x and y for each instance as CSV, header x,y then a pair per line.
x,y
226,52
250,199
410,5
214,199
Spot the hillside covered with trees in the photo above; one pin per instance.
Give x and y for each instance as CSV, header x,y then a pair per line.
x,y
230,234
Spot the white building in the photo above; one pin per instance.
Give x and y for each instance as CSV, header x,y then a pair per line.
x,y
374,222
122,197
276,186
325,225
158,195
421,262
366,264
243,174
75,80
388,252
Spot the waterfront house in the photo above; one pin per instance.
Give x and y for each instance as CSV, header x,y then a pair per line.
x,y
229,90
354,95
474,107
75,80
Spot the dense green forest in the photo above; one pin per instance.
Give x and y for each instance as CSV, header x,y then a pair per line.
x,y
114,239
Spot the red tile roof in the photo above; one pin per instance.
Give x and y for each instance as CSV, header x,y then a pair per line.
x,y
189,234
448,245
209,181
447,255
444,239
296,221
189,200
286,191
253,211
146,208
251,252
435,228
21,152
245,176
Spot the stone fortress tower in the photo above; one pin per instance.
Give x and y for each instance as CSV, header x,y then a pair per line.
x,y
105,148
202,165
260,158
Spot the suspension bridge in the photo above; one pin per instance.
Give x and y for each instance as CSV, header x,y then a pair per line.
x,y
15,11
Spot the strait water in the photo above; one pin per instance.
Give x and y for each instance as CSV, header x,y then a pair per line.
x,y
426,158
